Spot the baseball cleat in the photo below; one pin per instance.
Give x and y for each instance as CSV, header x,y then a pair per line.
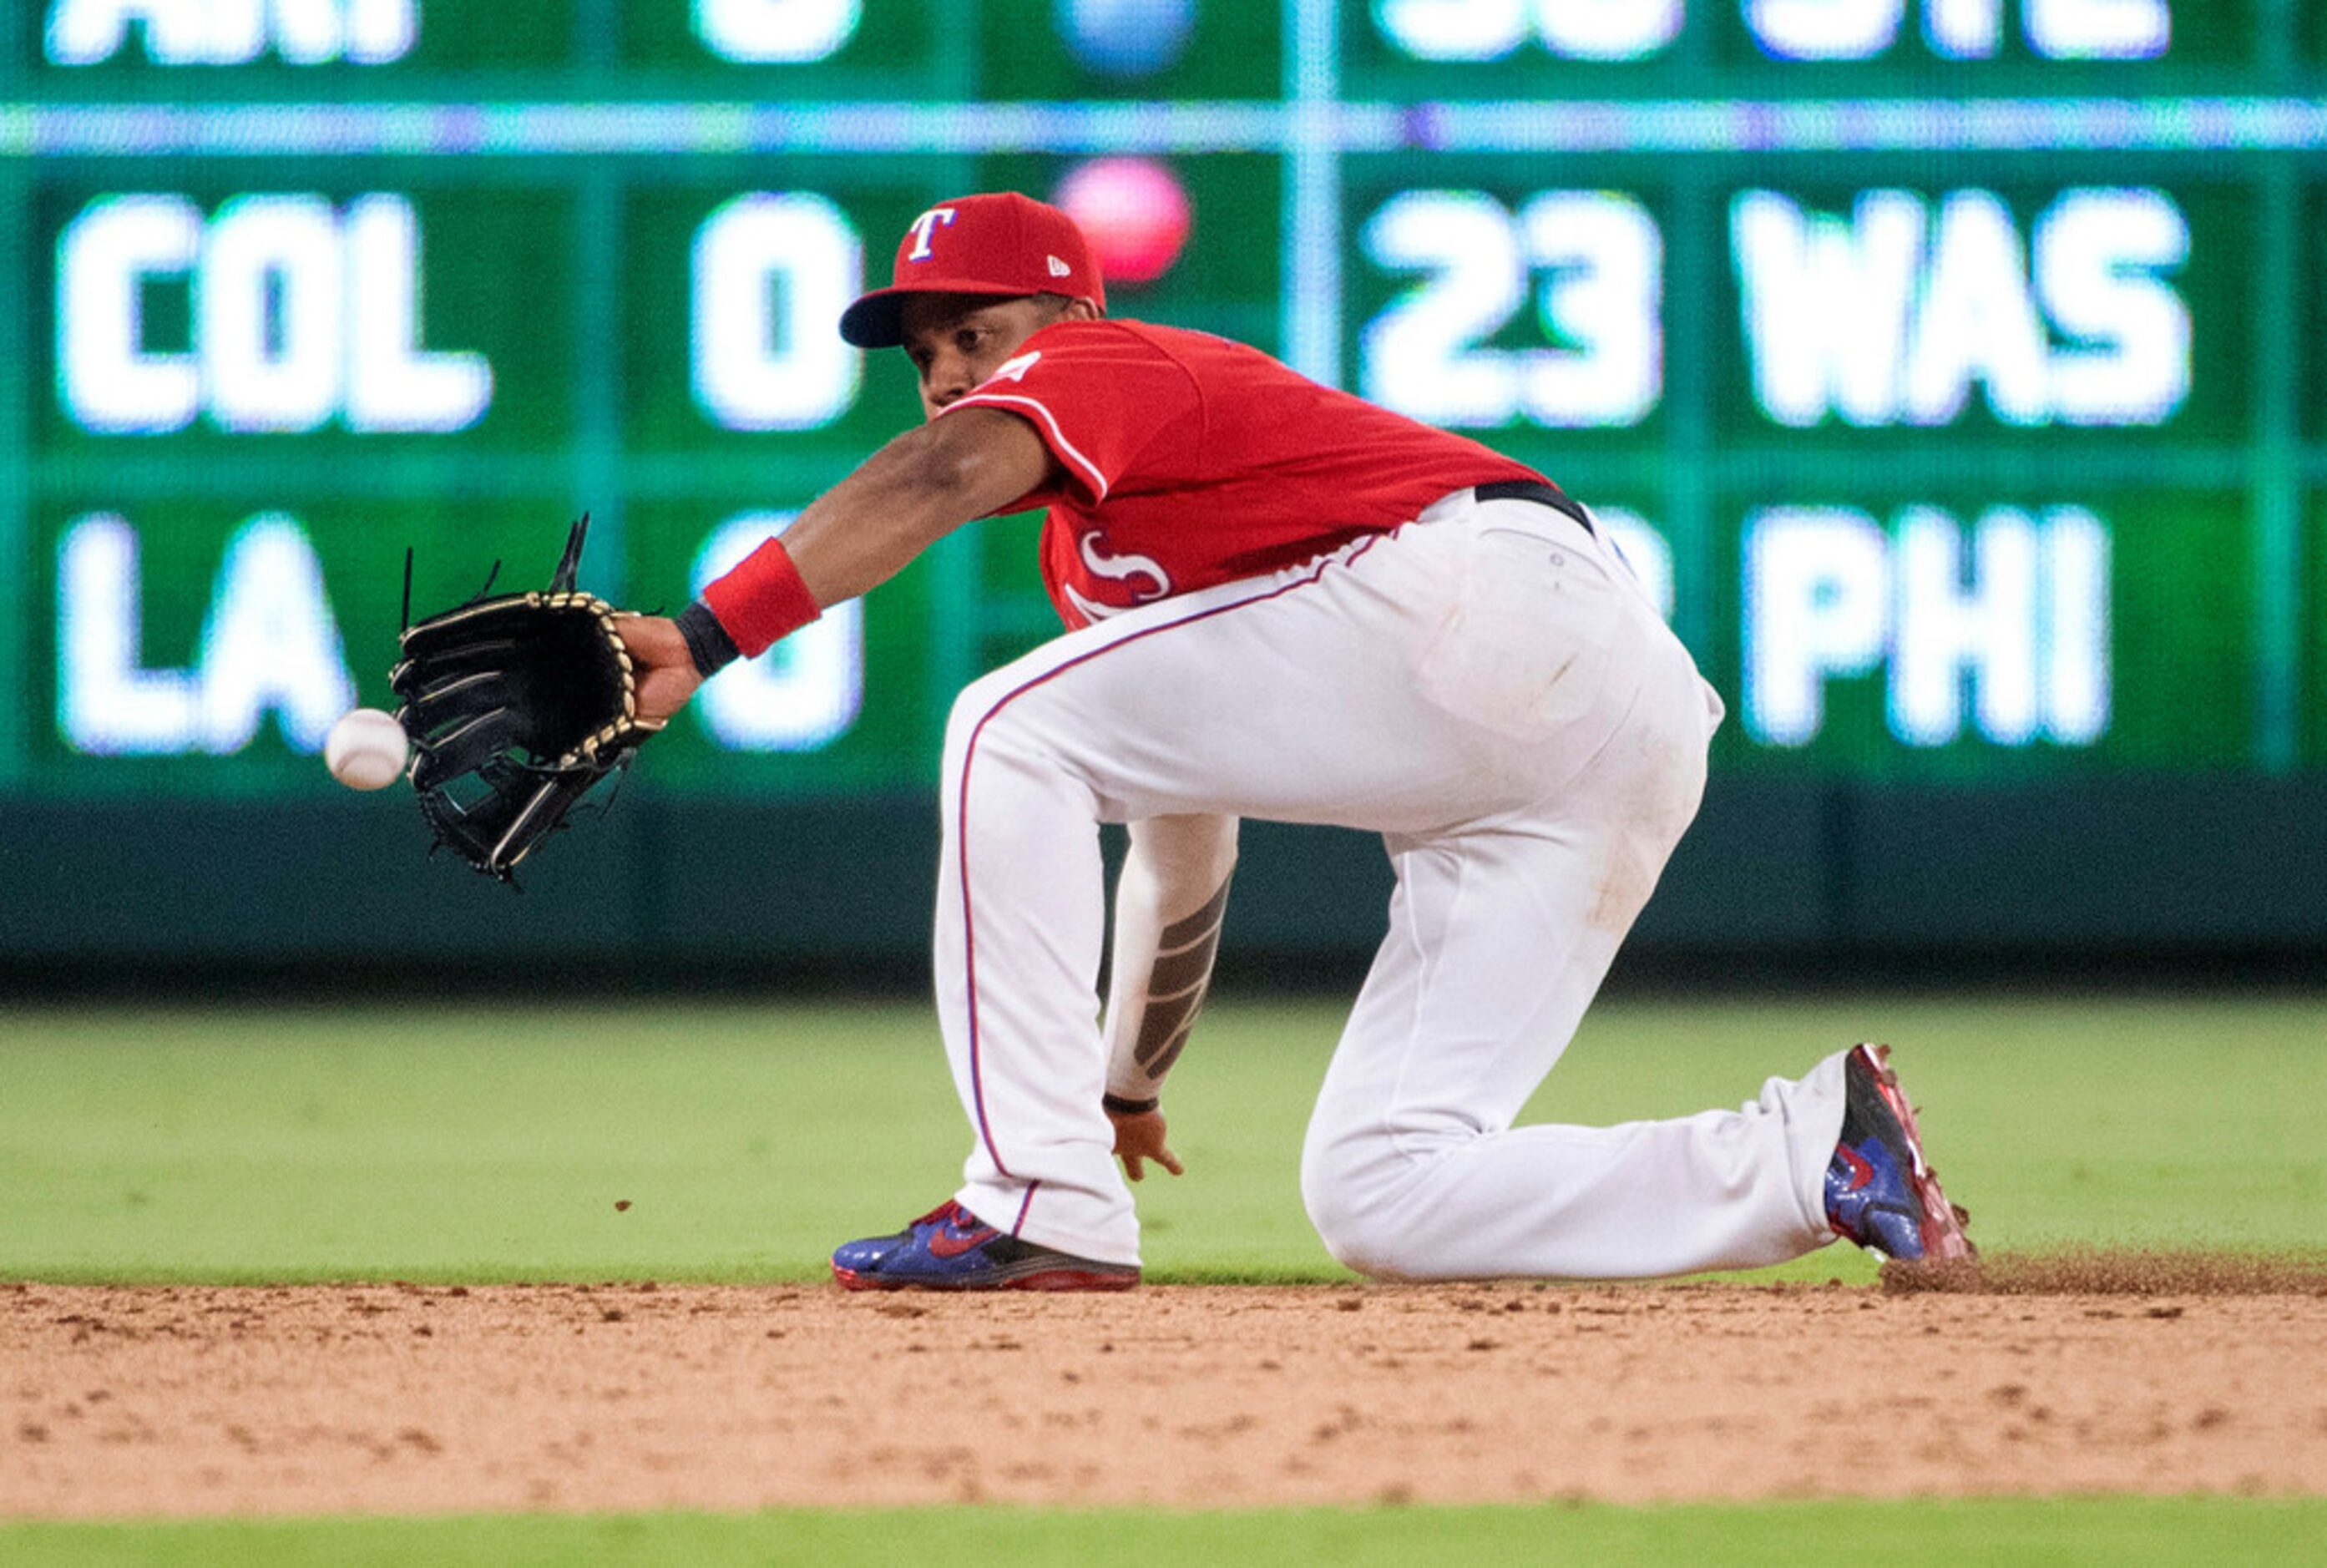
x,y
951,1249
1880,1190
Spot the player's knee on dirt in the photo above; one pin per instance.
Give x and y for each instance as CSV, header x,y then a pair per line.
x,y
1356,1206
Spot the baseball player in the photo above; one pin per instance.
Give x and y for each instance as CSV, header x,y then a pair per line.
x,y
1283,602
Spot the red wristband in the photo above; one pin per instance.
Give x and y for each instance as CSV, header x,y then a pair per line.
x,y
762,600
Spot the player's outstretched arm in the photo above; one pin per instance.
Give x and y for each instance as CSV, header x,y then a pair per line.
x,y
851,539
1169,902
909,495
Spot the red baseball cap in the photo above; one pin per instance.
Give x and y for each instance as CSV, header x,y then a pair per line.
x,y
1002,244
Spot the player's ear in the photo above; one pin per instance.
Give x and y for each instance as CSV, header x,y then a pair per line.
x,y
1081,310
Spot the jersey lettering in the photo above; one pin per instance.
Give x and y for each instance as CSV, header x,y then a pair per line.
x,y
1121,569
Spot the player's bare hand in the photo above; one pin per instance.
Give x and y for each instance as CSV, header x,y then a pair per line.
x,y
666,670
1138,1139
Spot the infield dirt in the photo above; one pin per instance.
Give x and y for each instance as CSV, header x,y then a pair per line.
x,y
178,1400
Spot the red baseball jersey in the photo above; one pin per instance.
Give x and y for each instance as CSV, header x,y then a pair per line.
x,y
1190,460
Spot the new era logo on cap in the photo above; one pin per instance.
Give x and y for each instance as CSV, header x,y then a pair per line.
x,y
996,243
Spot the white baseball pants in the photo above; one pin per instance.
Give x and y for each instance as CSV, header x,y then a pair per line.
x,y
1490,690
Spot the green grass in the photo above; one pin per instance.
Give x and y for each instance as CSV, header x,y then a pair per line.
x,y
2098,1531
480,1144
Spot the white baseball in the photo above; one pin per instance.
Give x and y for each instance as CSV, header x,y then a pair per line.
x,y
365,750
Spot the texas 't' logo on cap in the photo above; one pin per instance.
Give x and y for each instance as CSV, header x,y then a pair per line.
x,y
997,243
922,228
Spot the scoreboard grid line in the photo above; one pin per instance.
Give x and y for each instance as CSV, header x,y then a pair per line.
x,y
1312,232
2277,498
509,128
1690,253
697,476
596,479
596,26
17,433
2043,125
2277,37
17,443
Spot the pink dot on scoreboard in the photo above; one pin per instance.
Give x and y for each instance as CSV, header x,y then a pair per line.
x,y
1132,211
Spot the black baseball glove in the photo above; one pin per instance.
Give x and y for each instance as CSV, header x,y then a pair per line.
x,y
517,705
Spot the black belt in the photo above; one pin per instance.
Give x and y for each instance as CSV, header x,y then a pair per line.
x,y
1535,491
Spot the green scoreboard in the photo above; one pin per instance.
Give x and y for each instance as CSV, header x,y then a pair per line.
x,y
1945,367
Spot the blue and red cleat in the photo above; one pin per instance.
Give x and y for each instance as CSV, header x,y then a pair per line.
x,y
1880,1190
951,1249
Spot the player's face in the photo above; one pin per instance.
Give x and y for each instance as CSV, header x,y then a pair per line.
x,y
958,340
